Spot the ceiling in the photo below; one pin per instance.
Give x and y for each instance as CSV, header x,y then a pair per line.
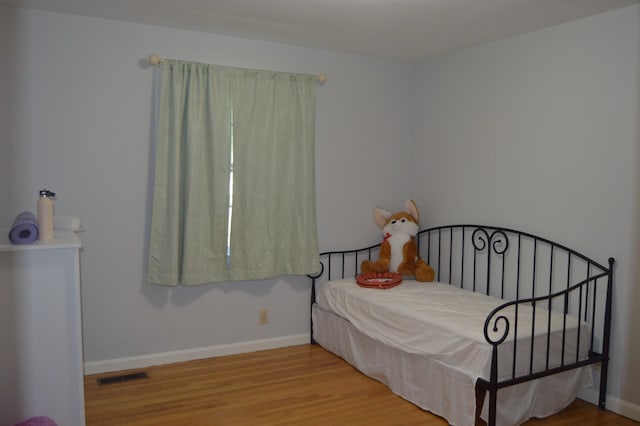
x,y
400,29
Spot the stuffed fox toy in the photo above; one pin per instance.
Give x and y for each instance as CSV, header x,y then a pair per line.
x,y
399,251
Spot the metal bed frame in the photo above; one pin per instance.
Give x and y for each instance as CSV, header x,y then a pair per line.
x,y
520,268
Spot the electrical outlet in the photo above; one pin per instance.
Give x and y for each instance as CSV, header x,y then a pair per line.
x,y
264,317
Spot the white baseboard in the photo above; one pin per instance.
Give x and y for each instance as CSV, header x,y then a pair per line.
x,y
142,361
613,404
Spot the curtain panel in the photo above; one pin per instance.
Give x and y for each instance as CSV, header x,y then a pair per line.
x,y
262,123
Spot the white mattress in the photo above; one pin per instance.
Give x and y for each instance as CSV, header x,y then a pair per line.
x,y
447,324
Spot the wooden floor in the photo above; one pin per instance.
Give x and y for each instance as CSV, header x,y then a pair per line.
x,y
299,385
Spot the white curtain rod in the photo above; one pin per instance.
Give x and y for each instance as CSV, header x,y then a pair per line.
x,y
156,60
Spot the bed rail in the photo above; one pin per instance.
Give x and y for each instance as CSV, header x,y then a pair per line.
x,y
528,272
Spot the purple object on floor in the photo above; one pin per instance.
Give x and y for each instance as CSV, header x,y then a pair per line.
x,y
25,229
37,421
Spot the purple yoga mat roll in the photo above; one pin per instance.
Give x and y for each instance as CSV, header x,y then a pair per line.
x,y
25,229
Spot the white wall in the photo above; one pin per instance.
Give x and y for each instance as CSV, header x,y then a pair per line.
x,y
540,132
75,113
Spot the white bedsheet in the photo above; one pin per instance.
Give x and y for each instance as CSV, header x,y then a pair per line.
x,y
446,323
437,387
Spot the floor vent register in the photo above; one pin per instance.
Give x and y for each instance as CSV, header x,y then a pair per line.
x,y
122,378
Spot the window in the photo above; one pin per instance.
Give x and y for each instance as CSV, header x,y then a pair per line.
x,y
230,195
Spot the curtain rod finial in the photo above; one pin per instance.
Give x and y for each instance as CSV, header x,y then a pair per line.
x,y
322,78
154,59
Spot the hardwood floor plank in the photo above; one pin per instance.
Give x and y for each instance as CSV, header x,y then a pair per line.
x,y
298,385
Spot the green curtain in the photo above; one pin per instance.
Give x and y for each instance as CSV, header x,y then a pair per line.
x,y
273,229
269,119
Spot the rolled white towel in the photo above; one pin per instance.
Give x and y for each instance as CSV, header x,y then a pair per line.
x,y
67,223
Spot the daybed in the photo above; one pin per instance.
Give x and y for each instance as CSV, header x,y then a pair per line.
x,y
512,316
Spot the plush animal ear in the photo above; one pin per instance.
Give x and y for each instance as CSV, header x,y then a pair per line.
x,y
413,209
380,216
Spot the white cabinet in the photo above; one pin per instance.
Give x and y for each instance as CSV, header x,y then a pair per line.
x,y
41,362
